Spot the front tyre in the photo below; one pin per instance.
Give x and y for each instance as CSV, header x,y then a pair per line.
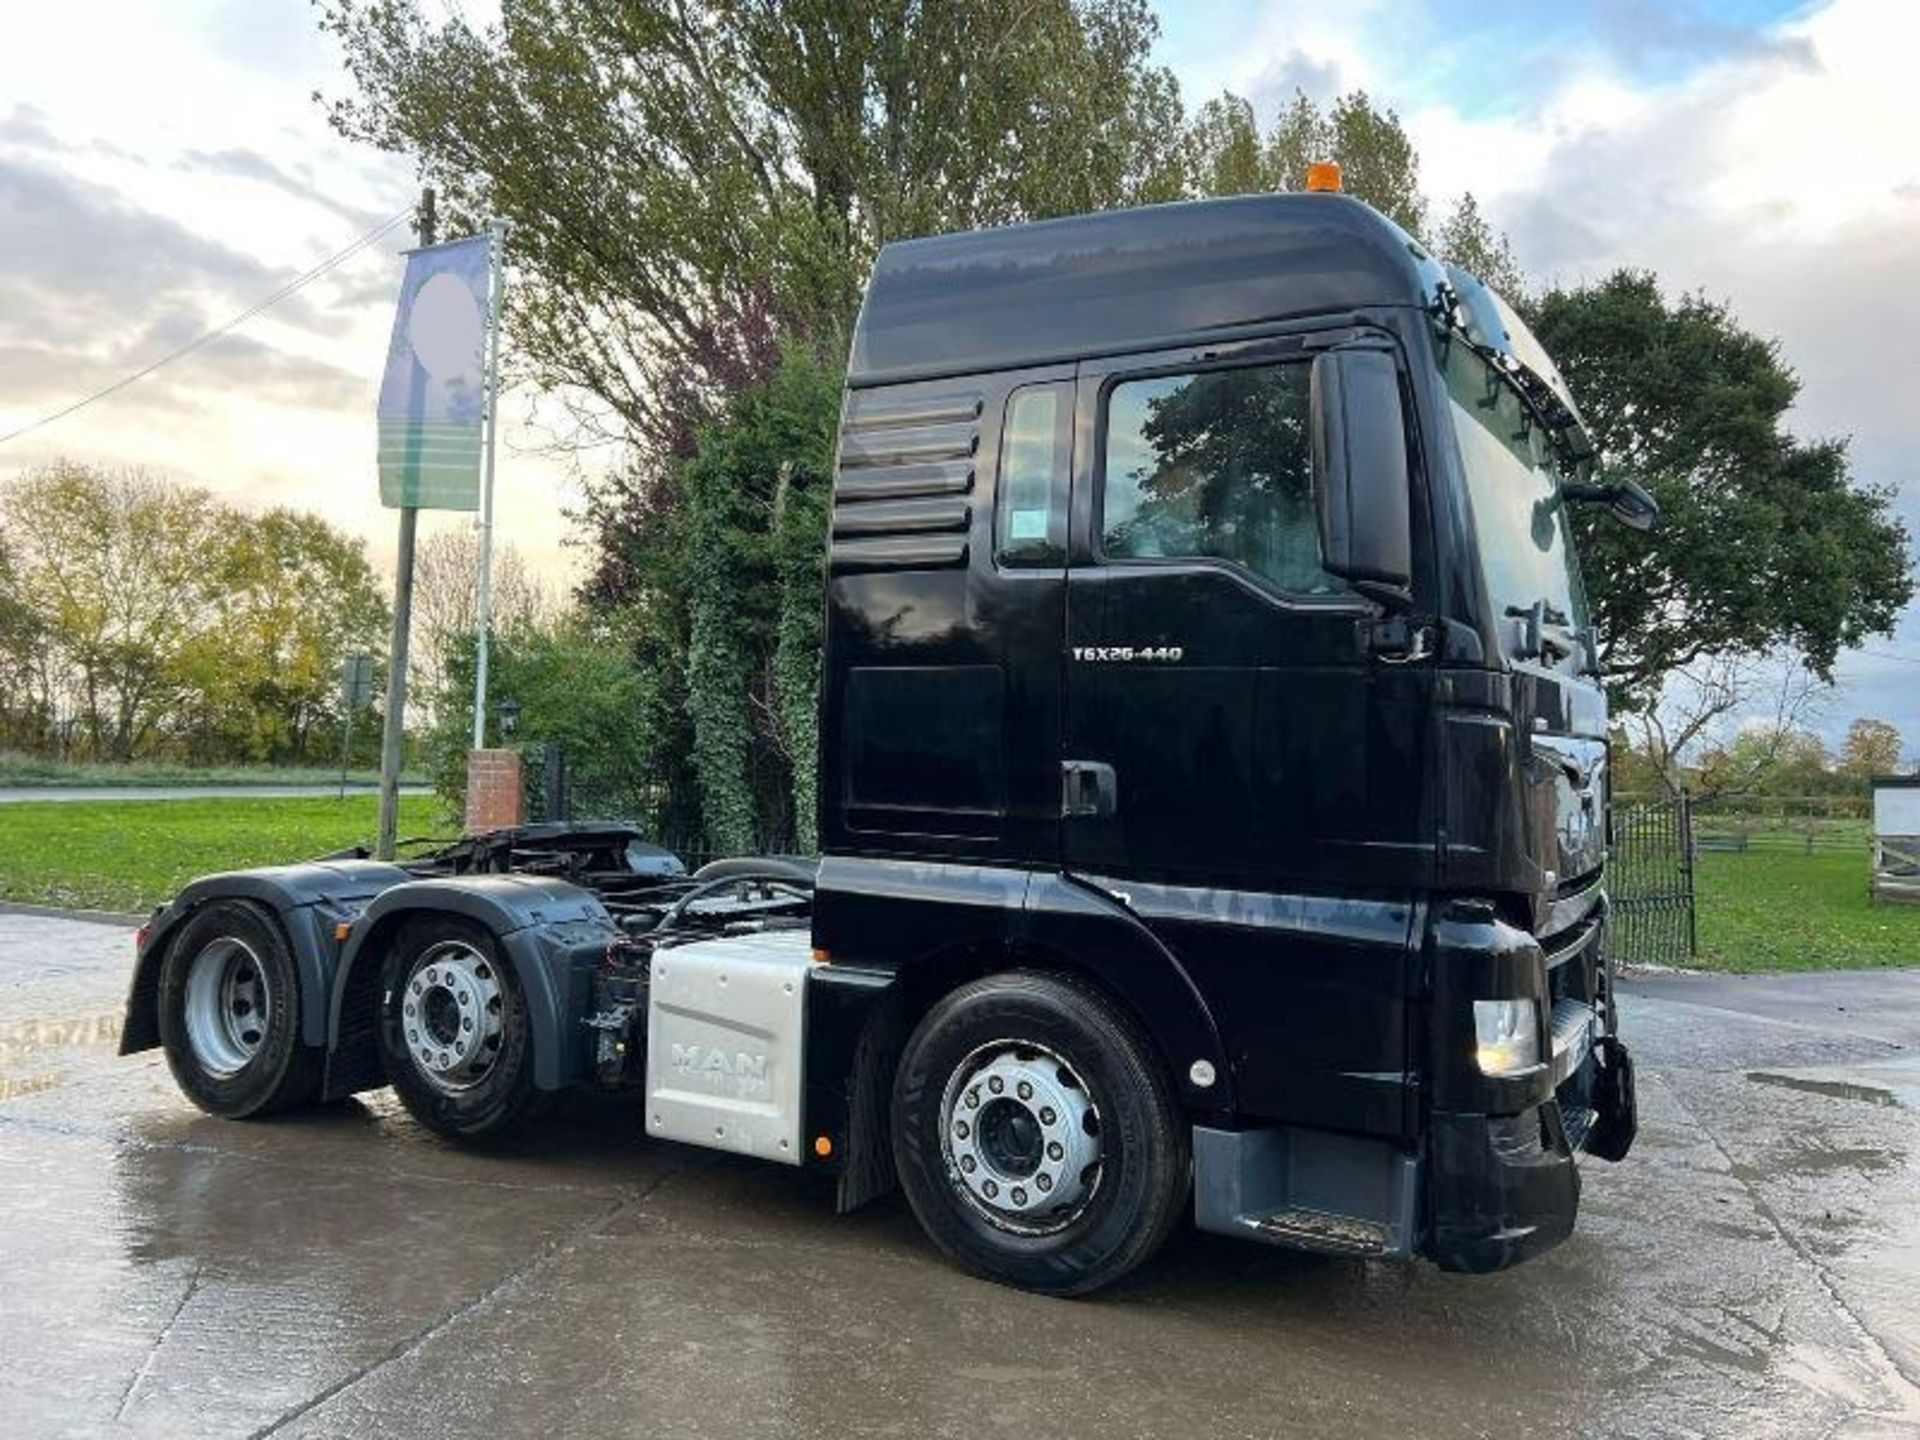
x,y
1036,1135
229,1008
454,1032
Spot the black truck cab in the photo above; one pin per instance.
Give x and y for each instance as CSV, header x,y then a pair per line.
x,y
1203,618
1212,783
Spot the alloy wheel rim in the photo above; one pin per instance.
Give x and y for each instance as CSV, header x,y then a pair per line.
x,y
229,1006
452,1014
1020,1135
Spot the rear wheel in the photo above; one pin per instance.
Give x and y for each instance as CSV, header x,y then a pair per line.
x,y
454,1031
230,1014
1036,1135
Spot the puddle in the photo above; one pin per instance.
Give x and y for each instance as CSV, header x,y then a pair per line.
x,y
1833,1089
1816,1160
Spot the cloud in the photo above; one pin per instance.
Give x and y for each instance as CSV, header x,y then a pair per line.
x,y
68,244
1272,90
26,126
241,163
1652,35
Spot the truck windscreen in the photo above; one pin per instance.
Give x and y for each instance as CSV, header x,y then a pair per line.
x,y
1513,484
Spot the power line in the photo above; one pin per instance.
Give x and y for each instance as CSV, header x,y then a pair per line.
x,y
200,341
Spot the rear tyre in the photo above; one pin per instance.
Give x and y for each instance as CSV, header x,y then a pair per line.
x,y
454,1032
230,1007
1036,1135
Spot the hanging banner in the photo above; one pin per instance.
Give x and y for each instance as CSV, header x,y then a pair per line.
x,y
433,399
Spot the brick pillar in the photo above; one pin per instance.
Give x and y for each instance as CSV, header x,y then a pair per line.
x,y
496,796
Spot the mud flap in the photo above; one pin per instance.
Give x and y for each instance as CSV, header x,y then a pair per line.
x,y
1616,1112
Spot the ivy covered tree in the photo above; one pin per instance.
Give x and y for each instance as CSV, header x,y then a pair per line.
x,y
754,523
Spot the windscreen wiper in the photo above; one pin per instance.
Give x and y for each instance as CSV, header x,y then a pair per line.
x,y
1537,640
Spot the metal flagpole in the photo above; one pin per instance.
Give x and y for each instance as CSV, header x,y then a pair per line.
x,y
394,739
484,607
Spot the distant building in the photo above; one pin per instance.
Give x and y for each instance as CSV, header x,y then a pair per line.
x,y
1896,838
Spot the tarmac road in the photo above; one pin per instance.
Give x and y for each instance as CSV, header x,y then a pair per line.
x,y
83,794
1753,1269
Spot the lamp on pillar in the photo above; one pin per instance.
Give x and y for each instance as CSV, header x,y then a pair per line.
x,y
509,718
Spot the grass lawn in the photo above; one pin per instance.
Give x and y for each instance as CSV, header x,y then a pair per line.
x,y
1780,910
130,855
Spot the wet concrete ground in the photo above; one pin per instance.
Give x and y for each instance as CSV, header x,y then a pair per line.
x,y
1753,1269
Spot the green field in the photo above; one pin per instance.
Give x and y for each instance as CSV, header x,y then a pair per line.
x,y
130,855
1778,909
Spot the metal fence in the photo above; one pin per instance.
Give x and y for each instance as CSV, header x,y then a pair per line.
x,y
1650,880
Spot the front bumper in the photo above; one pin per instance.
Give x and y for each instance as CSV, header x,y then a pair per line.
x,y
1504,1188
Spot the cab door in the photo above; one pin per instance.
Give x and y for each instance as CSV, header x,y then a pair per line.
x,y
1243,762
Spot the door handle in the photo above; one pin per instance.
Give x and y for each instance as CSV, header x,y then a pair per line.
x,y
1087,788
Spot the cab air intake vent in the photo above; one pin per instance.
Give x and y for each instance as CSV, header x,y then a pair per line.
x,y
906,469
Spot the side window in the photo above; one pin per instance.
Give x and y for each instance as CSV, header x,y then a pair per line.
x,y
1030,521
1216,464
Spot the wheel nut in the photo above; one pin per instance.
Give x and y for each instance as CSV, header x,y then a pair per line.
x,y
973,1099
996,1084
465,998
1019,1195
1054,1152
1045,1182
960,1129
990,1188
467,1024
1047,1117
966,1163
1024,1090
409,1007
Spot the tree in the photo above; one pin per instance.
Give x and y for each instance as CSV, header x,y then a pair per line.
x,y
260,681
578,689
115,566
689,179
1765,541
446,603
1872,747
1467,240
1678,730
164,621
1225,156
756,511
1763,761
1378,163
23,708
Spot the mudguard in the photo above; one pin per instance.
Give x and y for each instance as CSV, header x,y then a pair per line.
x,y
308,900
550,931
889,915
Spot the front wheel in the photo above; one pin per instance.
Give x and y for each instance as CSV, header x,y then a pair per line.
x,y
454,1031
1036,1135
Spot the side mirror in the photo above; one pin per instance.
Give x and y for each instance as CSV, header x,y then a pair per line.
x,y
1630,503
1360,484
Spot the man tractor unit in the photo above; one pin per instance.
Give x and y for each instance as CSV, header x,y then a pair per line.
x,y
1213,795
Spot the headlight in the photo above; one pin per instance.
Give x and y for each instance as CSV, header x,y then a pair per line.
x,y
1506,1036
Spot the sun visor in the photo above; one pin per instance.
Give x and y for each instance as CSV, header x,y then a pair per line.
x,y
1494,328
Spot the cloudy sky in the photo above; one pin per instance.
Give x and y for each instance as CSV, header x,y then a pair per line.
x,y
1760,151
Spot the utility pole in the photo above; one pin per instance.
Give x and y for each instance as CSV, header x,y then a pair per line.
x,y
393,742
496,293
